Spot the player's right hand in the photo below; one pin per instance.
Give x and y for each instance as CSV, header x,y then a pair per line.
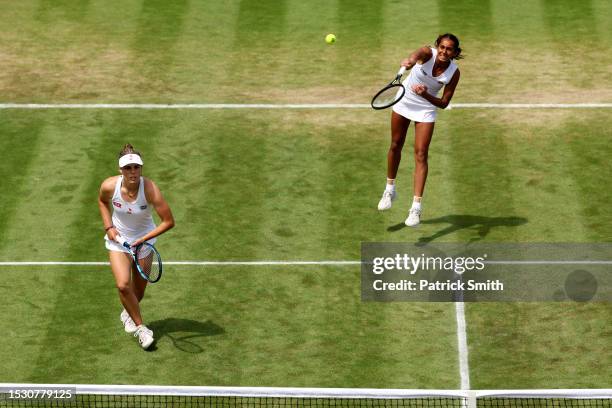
x,y
407,63
118,238
112,234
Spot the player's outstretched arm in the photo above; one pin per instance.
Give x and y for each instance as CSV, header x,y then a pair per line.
x,y
420,55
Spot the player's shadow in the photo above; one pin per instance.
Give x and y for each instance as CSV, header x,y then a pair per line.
x,y
184,333
481,225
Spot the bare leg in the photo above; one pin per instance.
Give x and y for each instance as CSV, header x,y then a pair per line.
x,y
121,265
423,134
138,284
399,127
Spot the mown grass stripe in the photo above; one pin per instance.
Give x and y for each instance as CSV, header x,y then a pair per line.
x,y
485,168
589,168
21,136
75,290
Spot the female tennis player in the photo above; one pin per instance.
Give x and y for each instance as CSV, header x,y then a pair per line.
x,y
431,69
131,197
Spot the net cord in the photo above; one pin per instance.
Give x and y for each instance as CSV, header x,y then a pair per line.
x,y
602,393
280,392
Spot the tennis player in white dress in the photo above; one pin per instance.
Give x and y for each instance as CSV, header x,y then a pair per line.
x,y
131,199
431,70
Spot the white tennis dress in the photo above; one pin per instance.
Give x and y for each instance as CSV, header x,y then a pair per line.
x,y
415,107
131,219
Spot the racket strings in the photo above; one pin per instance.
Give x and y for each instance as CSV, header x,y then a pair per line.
x,y
388,96
150,264
151,268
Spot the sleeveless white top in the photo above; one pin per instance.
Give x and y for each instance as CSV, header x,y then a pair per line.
x,y
132,219
415,107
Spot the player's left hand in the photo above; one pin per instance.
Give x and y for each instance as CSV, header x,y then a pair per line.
x,y
419,89
137,242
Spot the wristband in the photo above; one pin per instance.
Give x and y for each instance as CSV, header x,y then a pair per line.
x,y
106,229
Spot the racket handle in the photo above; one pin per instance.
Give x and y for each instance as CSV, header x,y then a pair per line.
x,y
122,241
401,71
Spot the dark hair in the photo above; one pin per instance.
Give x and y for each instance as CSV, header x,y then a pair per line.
x,y
128,149
454,39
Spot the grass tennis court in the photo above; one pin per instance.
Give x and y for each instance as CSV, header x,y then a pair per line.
x,y
254,185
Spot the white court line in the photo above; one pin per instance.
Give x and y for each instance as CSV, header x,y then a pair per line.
x,y
529,105
462,345
179,106
549,262
287,105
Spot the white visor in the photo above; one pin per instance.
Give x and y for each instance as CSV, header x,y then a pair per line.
x,y
129,159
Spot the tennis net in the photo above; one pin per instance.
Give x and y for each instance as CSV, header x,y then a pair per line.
x,y
120,396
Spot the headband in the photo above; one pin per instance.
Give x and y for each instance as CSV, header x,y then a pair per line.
x,y
129,159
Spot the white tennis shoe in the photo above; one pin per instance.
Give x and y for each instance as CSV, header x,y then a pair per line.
x,y
414,217
387,200
128,323
145,336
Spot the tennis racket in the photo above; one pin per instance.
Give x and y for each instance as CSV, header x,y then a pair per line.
x,y
147,260
390,94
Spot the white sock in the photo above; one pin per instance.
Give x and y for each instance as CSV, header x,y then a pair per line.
x,y
390,187
416,204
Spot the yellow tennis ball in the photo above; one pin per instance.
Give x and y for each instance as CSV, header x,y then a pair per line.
x,y
330,38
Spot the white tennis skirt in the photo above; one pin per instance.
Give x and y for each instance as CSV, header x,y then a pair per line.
x,y
415,111
115,246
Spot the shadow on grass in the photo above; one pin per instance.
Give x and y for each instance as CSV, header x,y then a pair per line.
x,y
184,333
482,225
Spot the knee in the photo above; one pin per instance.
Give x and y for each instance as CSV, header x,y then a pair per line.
x,y
420,156
396,146
124,287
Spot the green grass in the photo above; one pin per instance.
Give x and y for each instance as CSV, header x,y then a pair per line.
x,y
227,326
295,185
273,50
299,186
